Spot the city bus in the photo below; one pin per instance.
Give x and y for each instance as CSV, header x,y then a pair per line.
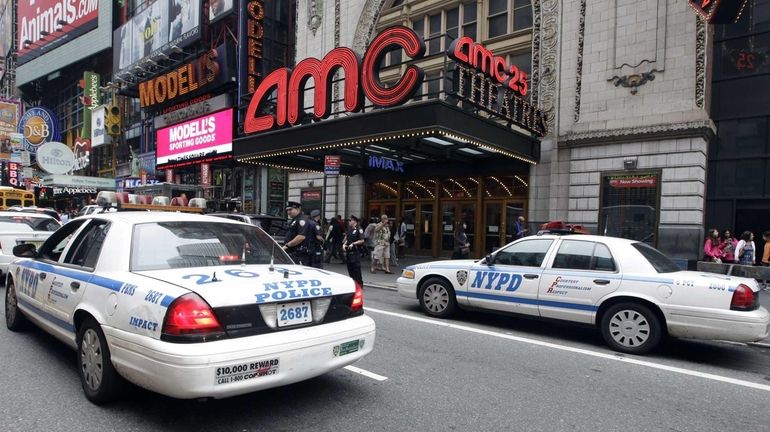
x,y
10,197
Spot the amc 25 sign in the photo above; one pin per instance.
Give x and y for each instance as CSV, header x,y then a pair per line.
x,y
719,11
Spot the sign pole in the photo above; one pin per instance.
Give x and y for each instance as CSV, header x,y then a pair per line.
x,y
323,200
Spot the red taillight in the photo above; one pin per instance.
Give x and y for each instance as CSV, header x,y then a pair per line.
x,y
357,305
744,299
190,316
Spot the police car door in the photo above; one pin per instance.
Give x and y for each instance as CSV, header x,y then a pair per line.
x,y
581,273
510,283
36,276
76,267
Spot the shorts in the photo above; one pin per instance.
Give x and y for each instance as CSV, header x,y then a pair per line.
x,y
381,252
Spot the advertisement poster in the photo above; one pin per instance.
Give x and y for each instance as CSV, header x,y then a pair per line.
x,y
38,126
219,9
9,118
207,136
98,130
91,100
277,192
156,29
37,18
6,19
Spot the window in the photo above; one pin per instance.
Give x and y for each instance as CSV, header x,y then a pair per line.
x,y
26,223
522,14
528,253
469,20
85,253
55,245
659,262
452,24
434,34
499,20
630,206
603,259
584,255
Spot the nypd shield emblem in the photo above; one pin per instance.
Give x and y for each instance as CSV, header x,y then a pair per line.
x,y
336,350
462,277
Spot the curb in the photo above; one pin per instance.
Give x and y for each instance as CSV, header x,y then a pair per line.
x,y
382,287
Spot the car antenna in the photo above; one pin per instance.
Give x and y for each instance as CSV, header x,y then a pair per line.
x,y
214,278
272,259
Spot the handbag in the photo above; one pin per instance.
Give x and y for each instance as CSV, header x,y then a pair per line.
x,y
465,250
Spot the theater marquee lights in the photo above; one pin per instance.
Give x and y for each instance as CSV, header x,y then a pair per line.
x,y
255,32
492,84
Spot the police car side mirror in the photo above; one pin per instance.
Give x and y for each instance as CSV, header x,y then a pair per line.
x,y
489,260
25,250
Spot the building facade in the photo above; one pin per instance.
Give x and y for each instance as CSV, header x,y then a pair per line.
x,y
625,88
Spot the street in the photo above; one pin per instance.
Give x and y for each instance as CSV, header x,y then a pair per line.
x,y
476,372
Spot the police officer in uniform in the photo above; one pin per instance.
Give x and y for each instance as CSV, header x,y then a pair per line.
x,y
354,240
316,240
296,244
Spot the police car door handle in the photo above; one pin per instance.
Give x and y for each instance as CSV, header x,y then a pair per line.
x,y
530,276
42,276
601,281
75,285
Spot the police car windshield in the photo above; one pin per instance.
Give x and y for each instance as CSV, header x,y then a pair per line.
x,y
26,223
659,262
170,245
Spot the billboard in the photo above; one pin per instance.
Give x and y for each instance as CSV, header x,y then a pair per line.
x,y
219,9
6,19
10,110
45,24
162,27
38,126
205,137
98,131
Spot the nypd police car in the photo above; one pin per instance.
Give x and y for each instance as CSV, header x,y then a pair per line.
x,y
185,305
631,291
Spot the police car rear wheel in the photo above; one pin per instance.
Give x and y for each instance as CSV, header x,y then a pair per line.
x,y
98,377
437,298
14,319
631,328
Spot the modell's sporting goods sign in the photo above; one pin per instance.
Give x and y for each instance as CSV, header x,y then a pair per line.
x,y
50,23
204,138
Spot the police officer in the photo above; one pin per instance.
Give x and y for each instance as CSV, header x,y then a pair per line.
x,y
354,240
315,240
296,235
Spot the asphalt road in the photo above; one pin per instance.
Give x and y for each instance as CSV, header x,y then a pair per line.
x,y
477,372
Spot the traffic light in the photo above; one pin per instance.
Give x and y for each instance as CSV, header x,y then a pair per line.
x,y
112,122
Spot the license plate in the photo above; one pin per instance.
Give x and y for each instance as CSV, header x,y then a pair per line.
x,y
294,313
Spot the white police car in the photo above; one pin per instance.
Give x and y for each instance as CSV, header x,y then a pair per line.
x,y
631,291
185,305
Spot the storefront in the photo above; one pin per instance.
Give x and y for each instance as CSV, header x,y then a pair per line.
x,y
461,156
70,192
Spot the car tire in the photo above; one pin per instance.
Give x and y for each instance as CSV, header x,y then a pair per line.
x,y
14,317
631,328
98,377
437,298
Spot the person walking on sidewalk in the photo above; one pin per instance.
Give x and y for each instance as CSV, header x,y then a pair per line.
x,y
766,250
315,240
745,252
382,245
712,249
354,240
393,244
462,249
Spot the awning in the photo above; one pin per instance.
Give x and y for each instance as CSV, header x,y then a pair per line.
x,y
418,135
99,183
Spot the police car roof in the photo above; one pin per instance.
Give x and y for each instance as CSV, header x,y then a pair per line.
x,y
137,217
614,241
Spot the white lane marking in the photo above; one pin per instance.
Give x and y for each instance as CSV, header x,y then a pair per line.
x,y
616,357
366,373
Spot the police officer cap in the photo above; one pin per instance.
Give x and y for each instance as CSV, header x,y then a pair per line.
x,y
292,204
315,213
353,218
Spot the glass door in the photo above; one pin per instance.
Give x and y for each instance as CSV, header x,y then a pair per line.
x,y
493,230
452,214
418,218
512,212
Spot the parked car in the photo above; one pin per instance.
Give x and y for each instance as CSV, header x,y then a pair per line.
x,y
186,305
632,292
273,225
36,210
17,228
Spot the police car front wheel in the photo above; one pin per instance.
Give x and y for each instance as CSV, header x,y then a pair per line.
x,y
631,328
437,298
14,319
98,377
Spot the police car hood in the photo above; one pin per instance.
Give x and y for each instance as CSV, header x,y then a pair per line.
x,y
249,284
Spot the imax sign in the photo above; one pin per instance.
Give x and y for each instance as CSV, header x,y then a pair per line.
x,y
386,164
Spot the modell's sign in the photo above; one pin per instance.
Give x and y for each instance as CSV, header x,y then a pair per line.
x,y
361,81
55,19
205,72
719,11
204,138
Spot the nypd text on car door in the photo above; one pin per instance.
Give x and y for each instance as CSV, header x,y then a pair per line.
x,y
510,282
581,273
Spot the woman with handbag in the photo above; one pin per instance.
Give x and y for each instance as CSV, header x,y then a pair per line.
x,y
462,249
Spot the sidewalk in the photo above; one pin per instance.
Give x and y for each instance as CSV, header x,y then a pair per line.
x,y
380,279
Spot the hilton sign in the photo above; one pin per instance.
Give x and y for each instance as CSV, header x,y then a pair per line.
x,y
361,81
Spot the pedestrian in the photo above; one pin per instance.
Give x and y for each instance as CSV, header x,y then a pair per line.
x,y
382,245
712,248
520,227
401,237
462,249
728,247
64,217
393,244
766,250
369,236
334,240
745,250
351,245
296,235
316,240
